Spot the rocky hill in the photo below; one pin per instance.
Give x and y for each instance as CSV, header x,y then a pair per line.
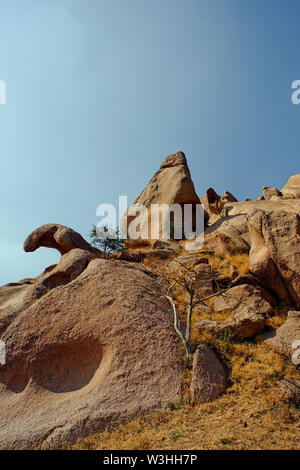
x,y
99,344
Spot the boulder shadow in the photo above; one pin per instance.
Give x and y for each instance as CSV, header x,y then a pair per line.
x,y
67,367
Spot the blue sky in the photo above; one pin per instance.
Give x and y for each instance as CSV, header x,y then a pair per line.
x,y
99,92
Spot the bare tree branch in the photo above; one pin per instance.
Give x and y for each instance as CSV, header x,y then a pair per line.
x,y
176,325
188,281
210,296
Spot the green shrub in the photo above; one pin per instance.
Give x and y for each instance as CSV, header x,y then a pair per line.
x,y
107,239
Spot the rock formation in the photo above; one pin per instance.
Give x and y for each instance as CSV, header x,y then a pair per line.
x,y
275,253
91,341
291,206
86,354
208,376
283,338
214,204
213,201
57,236
243,297
271,193
162,249
171,184
292,187
249,312
227,197
17,299
228,235
290,391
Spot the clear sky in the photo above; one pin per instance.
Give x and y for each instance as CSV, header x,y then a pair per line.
x,y
99,92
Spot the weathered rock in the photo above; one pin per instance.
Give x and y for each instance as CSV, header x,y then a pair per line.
x,y
202,309
275,253
127,255
213,203
70,266
171,184
213,200
290,391
12,298
204,275
292,187
223,280
86,355
243,297
188,260
244,279
16,304
59,237
162,249
162,253
234,273
270,193
241,325
10,291
228,235
283,338
291,206
227,197
209,215
167,245
208,376
252,281
17,297
250,313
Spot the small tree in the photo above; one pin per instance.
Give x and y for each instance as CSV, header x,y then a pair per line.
x,y
107,239
188,279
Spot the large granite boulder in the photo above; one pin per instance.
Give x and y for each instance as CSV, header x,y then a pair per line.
x,y
271,193
275,253
86,354
291,206
213,201
57,236
292,187
209,379
228,235
21,296
214,204
171,184
286,339
249,312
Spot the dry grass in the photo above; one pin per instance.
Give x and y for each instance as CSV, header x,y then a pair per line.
x,y
279,317
249,415
223,263
224,424
137,244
